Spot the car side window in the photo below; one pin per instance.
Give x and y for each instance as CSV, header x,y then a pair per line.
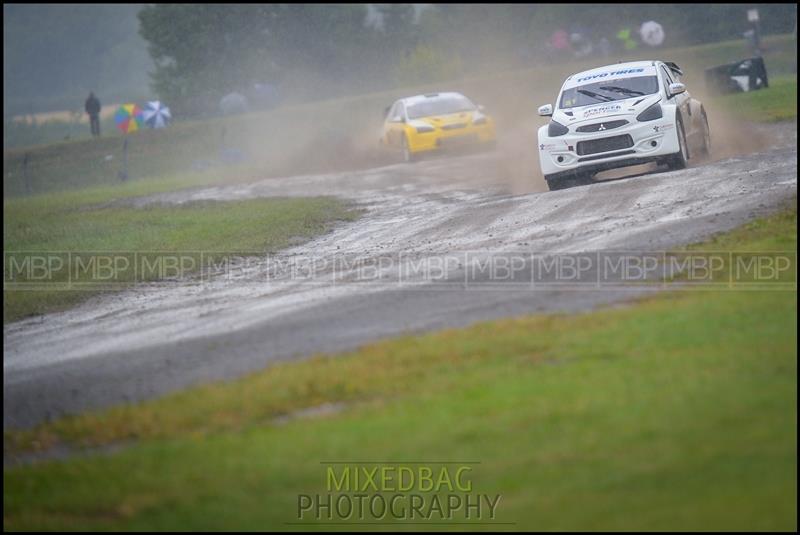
x,y
397,115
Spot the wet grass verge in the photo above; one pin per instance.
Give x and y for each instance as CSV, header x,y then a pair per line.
x,y
85,233
676,412
778,102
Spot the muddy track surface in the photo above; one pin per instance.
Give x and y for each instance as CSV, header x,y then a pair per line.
x,y
153,339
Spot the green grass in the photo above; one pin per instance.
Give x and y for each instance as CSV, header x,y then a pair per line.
x,y
84,221
778,102
191,150
776,233
780,54
109,193
678,412
21,133
731,255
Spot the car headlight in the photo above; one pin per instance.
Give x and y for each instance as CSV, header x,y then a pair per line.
x,y
479,120
555,129
424,129
651,114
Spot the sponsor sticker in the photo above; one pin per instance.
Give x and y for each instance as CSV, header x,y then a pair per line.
x,y
610,73
555,146
602,110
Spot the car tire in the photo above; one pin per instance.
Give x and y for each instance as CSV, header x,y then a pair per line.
x,y
681,158
556,183
705,150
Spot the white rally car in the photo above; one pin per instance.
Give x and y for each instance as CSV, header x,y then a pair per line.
x,y
620,115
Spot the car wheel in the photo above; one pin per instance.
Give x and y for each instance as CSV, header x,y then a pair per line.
x,y
681,158
568,182
705,150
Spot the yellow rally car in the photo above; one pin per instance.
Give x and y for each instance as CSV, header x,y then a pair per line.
x,y
435,121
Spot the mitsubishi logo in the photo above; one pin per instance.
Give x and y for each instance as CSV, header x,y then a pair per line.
x,y
602,127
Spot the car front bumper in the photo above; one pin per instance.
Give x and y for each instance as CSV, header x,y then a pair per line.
x,y
570,154
452,139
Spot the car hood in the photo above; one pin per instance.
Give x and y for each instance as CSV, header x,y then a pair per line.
x,y
621,109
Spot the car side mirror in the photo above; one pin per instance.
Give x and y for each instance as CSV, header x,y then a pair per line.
x,y
386,111
546,110
676,89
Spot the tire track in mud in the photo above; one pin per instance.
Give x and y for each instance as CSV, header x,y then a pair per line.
x,y
156,338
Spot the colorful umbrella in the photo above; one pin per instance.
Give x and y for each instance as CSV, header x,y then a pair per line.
x,y
652,33
156,115
128,118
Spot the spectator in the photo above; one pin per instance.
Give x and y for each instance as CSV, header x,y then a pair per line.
x,y
93,109
626,40
558,46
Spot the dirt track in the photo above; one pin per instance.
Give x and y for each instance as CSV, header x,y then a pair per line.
x,y
151,340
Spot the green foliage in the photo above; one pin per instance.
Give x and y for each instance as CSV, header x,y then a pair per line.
x,y
55,54
480,34
684,24
399,31
203,51
427,64
499,36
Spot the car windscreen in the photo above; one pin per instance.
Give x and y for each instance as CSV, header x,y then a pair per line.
x,y
439,106
608,90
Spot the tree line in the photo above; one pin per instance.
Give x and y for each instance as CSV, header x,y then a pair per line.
x,y
203,51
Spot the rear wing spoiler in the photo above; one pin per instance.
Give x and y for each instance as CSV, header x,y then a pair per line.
x,y
674,67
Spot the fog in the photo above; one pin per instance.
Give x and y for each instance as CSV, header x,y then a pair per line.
x,y
332,90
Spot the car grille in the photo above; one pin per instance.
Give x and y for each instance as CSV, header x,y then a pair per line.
x,y
608,125
592,158
454,126
604,145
